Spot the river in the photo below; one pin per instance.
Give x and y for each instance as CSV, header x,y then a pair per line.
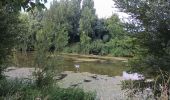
x,y
100,74
110,66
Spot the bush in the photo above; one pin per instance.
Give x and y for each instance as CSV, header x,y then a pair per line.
x,y
56,93
13,88
96,47
122,47
155,87
75,48
21,90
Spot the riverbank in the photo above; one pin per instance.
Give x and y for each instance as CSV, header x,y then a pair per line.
x,y
106,87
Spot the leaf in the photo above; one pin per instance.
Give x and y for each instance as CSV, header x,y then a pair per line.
x,y
29,9
40,6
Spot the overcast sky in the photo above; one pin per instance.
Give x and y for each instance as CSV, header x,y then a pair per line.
x,y
104,8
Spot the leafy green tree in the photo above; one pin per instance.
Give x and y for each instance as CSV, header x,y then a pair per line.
x,y
153,34
87,22
118,40
61,38
35,25
85,43
8,32
97,47
88,18
61,26
24,32
26,4
74,11
29,26
9,12
122,47
115,27
101,31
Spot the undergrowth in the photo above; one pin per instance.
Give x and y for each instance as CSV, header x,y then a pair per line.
x,y
25,90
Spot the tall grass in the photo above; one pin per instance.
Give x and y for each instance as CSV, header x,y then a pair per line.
x,y
158,88
22,90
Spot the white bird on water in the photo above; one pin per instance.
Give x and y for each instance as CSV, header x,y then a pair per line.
x,y
77,67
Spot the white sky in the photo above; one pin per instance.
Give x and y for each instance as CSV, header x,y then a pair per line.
x,y
104,8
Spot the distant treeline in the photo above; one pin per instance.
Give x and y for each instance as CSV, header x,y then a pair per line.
x,y
70,27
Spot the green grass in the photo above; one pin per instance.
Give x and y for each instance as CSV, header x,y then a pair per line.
x,y
22,90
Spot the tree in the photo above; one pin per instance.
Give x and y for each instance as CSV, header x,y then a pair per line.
x,y
9,22
87,23
9,12
88,18
60,22
27,5
115,27
153,34
101,31
74,13
23,35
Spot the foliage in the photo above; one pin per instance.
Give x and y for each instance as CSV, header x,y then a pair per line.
x,y
8,34
101,31
151,28
96,47
85,43
9,87
24,41
24,90
149,88
44,64
88,18
123,47
70,28
60,27
70,94
120,43
26,5
115,27
61,38
74,48
153,34
10,28
87,22
137,89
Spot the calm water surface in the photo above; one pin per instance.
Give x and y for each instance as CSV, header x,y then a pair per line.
x,y
67,62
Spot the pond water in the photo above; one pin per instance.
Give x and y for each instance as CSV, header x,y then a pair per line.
x,y
94,65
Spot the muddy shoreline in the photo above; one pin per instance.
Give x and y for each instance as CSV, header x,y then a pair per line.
x,y
106,88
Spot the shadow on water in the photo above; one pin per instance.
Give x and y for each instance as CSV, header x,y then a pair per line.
x,y
66,63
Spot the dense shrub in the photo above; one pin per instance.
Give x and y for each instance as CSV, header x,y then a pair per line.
x,y
22,90
96,47
75,48
122,47
116,47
